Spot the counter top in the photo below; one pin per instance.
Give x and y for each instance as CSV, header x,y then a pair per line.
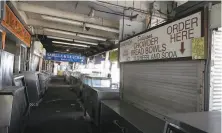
x,y
10,90
17,76
106,89
209,122
143,121
98,77
6,107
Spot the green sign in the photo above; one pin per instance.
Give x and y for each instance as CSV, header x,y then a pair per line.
x,y
198,51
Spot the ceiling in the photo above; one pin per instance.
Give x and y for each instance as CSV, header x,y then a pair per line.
x,y
84,22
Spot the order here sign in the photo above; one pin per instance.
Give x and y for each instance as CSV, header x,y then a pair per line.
x,y
173,40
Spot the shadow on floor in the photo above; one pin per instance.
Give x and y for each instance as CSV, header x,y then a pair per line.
x,y
59,112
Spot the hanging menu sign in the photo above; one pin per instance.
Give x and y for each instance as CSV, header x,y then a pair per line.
x,y
173,40
11,22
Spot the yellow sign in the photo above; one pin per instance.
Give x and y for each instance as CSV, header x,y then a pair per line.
x,y
198,51
113,55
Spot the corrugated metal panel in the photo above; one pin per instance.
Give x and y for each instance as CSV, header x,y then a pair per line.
x,y
216,72
163,87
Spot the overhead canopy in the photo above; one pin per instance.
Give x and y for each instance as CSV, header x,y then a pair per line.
x,y
94,24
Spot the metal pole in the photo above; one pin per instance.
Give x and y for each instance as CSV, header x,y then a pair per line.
x,y
208,35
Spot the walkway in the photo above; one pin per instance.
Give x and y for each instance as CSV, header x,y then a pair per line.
x,y
59,112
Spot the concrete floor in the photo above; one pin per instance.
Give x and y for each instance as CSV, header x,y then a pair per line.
x,y
59,112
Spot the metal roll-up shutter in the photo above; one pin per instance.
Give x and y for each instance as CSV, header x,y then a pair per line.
x,y
216,72
164,87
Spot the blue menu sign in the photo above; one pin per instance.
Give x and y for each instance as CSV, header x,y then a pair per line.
x,y
65,57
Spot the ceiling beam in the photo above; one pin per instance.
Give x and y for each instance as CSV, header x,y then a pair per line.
x,y
79,23
35,8
71,28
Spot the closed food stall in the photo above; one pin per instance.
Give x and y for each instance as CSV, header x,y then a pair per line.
x,y
162,69
13,34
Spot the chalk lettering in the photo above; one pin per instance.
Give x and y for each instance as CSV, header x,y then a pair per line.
x,y
155,48
163,47
146,42
140,38
187,24
194,21
175,28
172,38
190,33
182,30
181,26
184,35
178,37
155,56
169,30
170,54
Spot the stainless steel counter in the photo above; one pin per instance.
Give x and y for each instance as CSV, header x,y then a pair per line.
x,y
92,100
209,122
5,113
6,68
106,89
143,121
33,87
13,110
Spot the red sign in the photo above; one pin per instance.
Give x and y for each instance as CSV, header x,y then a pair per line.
x,y
11,22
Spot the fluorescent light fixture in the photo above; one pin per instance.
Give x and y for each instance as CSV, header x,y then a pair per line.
x,y
62,52
60,31
91,43
67,21
73,44
59,45
60,38
74,34
91,37
65,46
99,27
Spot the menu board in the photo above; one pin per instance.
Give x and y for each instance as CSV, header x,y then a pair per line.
x,y
173,40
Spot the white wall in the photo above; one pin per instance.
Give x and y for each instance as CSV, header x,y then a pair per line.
x,y
130,28
215,16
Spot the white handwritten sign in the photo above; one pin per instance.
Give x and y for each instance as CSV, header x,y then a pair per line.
x,y
173,40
